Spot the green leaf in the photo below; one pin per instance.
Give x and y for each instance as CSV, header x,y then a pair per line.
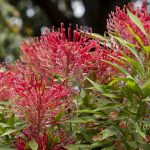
x,y
145,146
146,123
82,93
4,125
9,131
147,50
59,115
89,111
109,95
33,145
88,146
19,125
56,139
133,145
108,106
108,148
136,66
97,86
98,36
139,131
146,99
50,136
135,35
11,120
134,87
72,147
81,120
119,68
108,132
146,88
137,21
131,48
94,36
6,147
83,98
50,139
78,147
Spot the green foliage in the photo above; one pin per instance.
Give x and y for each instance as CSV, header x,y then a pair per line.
x,y
138,22
118,112
33,145
9,125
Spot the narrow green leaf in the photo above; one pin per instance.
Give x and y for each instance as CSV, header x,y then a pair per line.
x,y
146,123
133,145
6,147
137,21
108,106
72,147
59,115
146,100
94,35
131,48
50,139
50,136
109,95
134,87
56,139
97,86
146,49
118,60
108,148
9,131
80,120
90,111
78,147
98,36
33,145
146,88
108,132
135,64
11,120
119,68
136,36
4,125
82,93
139,131
145,146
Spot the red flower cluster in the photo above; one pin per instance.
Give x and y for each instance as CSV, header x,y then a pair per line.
x,y
54,53
70,57
118,21
37,101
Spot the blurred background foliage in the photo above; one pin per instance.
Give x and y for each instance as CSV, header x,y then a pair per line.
x,y
20,19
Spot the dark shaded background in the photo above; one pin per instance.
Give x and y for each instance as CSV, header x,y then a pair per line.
x,y
20,19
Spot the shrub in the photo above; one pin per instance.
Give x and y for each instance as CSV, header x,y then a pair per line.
x,y
79,90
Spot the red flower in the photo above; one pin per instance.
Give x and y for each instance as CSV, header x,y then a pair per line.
x,y
38,101
118,21
55,53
